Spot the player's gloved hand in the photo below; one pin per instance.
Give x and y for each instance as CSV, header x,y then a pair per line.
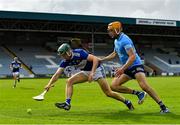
x,y
119,72
90,78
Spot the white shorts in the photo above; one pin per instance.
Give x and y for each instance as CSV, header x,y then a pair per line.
x,y
100,73
15,73
71,70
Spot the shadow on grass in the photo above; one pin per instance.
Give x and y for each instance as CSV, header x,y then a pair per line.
x,y
100,116
123,116
138,117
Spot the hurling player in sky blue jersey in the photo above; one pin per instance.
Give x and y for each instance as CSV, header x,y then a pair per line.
x,y
132,67
15,66
90,70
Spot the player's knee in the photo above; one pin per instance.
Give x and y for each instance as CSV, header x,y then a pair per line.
x,y
108,93
69,82
113,87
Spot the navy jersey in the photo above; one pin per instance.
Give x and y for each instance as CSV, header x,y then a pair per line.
x,y
15,66
79,60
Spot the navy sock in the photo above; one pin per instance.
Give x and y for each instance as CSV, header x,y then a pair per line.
x,y
68,101
161,104
126,101
135,92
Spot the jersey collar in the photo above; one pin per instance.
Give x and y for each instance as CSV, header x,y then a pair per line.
x,y
72,54
120,36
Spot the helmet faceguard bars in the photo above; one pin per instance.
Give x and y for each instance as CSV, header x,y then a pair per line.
x,y
64,49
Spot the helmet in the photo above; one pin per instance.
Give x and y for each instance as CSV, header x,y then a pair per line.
x,y
115,26
75,43
15,58
64,48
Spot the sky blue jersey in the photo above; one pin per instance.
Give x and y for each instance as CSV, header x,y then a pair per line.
x,y
122,45
79,60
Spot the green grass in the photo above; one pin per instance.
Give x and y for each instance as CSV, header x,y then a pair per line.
x,y
89,104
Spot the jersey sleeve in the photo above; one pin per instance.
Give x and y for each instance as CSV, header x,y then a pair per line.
x,y
63,64
83,54
115,50
127,46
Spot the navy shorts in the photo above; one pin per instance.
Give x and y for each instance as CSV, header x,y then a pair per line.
x,y
133,70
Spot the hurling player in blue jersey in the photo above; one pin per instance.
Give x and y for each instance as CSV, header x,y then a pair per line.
x,y
132,67
90,70
75,43
15,66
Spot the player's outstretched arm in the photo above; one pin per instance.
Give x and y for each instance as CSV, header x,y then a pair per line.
x,y
131,58
109,57
10,66
54,78
95,61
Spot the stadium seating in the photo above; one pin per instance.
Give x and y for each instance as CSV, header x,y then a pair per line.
x,y
5,61
37,58
44,62
167,62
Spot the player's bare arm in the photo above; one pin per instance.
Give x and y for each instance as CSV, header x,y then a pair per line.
x,y
54,78
131,58
109,57
95,61
10,66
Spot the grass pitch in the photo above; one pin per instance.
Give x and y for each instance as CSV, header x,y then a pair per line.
x,y
89,104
